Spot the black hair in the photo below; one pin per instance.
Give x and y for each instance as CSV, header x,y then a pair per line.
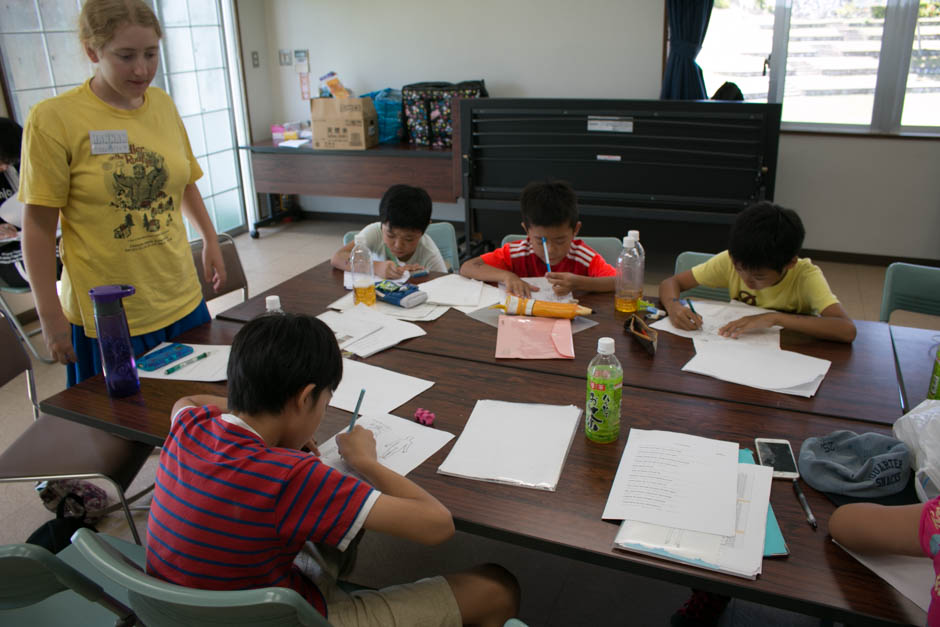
x,y
274,356
728,91
405,207
549,203
11,137
766,235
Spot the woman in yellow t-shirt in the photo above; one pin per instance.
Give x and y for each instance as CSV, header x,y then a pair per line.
x,y
112,159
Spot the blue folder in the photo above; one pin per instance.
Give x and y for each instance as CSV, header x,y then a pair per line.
x,y
774,544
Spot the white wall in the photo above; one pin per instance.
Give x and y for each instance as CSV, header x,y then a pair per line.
x,y
855,194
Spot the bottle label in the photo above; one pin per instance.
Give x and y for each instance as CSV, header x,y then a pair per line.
x,y
602,415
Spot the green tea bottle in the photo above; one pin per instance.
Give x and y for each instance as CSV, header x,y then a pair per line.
x,y
604,387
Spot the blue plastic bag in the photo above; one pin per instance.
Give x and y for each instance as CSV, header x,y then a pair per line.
x,y
388,108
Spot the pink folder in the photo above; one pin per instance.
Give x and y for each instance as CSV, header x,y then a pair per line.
x,y
525,337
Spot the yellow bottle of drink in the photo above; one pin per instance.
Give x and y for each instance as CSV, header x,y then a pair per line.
x,y
629,283
360,266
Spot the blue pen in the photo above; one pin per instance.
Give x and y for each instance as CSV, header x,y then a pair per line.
x,y
352,423
545,248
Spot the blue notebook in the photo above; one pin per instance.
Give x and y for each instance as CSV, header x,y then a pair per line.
x,y
774,544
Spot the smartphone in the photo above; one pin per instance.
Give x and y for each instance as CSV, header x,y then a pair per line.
x,y
778,455
161,357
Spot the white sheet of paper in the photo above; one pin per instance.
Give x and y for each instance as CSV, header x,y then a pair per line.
x,y
392,331
489,295
545,291
716,315
386,389
676,480
424,312
293,143
453,290
514,443
351,325
211,368
764,368
740,554
400,444
911,576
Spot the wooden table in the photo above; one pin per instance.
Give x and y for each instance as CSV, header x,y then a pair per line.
x,y
817,578
355,173
916,351
861,384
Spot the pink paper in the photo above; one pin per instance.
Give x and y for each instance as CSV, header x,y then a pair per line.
x,y
525,337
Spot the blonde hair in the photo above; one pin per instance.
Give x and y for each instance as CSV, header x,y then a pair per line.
x,y
100,19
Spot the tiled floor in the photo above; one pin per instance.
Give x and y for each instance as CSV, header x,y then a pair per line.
x,y
557,591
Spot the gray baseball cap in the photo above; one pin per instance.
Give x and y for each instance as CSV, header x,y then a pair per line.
x,y
869,465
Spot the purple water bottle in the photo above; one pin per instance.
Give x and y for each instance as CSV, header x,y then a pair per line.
x,y
114,339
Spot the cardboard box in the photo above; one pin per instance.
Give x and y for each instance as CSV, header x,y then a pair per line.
x,y
344,123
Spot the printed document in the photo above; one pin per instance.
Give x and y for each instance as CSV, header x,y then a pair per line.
x,y
425,312
386,390
515,443
365,332
676,480
740,553
400,444
452,289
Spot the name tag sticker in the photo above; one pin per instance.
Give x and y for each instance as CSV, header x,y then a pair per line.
x,y
108,142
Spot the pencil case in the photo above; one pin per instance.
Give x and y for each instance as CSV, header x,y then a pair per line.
x,y
405,295
641,332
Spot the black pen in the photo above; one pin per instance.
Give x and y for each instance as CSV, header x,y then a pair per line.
x,y
802,498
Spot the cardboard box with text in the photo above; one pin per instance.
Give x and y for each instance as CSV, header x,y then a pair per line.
x,y
344,123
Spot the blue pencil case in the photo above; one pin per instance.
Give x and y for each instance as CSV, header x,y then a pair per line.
x,y
405,295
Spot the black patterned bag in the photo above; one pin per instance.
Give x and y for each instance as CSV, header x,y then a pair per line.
x,y
427,108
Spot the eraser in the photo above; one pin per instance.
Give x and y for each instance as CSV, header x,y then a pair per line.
x,y
424,417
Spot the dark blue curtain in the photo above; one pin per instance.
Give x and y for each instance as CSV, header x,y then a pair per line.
x,y
688,21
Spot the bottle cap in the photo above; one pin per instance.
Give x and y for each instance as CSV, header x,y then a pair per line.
x,y
634,234
272,303
605,345
629,242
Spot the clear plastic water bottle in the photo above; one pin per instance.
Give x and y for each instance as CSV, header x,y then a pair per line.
x,y
629,284
272,305
363,279
636,238
604,389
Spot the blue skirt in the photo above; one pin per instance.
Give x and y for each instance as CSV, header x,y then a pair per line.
x,y
89,357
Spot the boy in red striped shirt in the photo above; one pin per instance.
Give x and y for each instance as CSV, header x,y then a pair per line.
x,y
238,504
549,211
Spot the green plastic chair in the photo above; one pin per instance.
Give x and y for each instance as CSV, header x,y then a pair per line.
x,y
608,247
688,260
39,589
445,238
911,288
158,603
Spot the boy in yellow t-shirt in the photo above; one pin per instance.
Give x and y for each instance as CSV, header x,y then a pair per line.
x,y
761,268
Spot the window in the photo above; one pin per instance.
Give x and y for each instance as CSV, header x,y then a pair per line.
x,y
42,57
844,64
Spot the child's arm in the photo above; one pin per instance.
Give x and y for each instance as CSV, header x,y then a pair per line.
x,y
382,269
565,282
404,509
478,269
832,324
871,528
680,315
198,400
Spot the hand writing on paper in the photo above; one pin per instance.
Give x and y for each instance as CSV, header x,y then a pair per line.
x,y
518,287
683,317
357,447
748,323
562,282
391,270
312,446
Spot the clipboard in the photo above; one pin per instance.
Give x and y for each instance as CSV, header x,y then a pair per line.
x,y
636,328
